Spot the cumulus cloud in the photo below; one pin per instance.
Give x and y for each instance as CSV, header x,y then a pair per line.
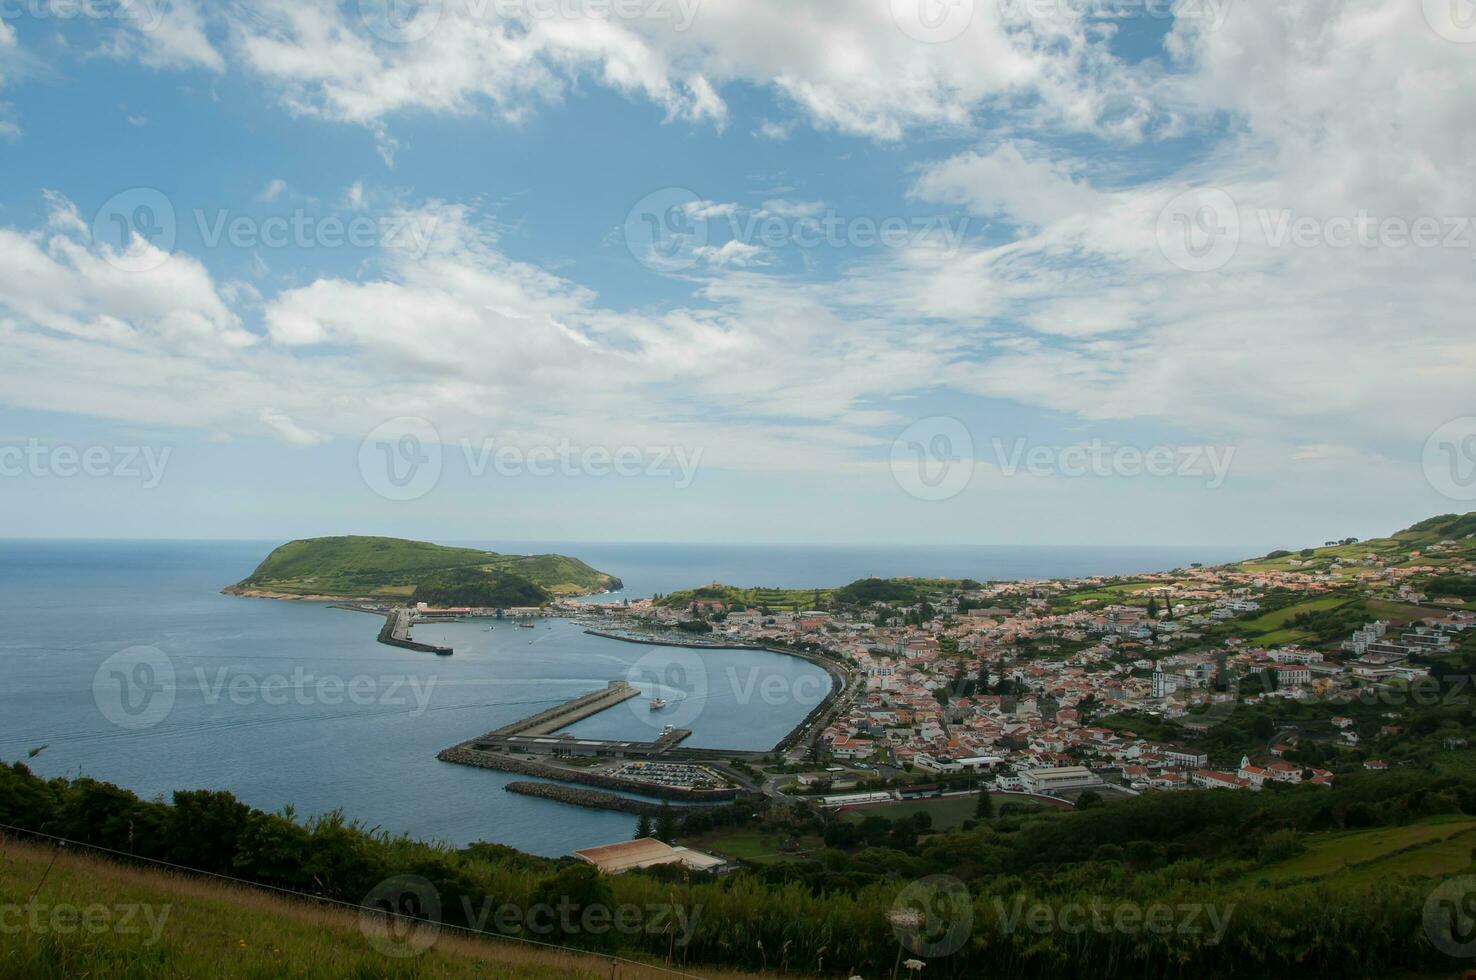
x,y
1089,309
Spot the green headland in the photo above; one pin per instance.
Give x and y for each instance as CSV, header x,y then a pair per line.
x,y
356,567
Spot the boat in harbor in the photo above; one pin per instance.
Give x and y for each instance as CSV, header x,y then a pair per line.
x,y
525,626
658,703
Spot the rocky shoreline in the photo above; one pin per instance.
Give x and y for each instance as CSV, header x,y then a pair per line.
x,y
593,799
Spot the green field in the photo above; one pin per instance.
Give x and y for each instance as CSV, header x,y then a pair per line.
x,y
1275,619
948,812
148,924
1433,847
367,567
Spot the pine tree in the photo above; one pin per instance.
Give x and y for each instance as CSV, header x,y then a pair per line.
x,y
984,808
643,827
666,824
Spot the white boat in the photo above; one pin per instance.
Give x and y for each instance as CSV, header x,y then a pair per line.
x,y
657,704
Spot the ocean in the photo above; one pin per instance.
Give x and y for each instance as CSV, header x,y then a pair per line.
x,y
295,704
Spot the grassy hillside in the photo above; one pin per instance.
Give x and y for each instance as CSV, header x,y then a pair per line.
x,y
901,591
211,929
1458,528
392,568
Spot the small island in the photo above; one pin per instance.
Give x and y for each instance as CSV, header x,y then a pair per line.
x,y
373,569
407,581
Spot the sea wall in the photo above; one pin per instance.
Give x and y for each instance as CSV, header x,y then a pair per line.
x,y
390,634
591,798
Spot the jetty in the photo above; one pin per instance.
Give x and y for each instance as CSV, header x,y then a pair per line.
x,y
566,714
396,633
537,734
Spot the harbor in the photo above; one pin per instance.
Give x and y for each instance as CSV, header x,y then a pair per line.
x,y
538,734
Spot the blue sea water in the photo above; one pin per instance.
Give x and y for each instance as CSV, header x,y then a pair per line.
x,y
287,703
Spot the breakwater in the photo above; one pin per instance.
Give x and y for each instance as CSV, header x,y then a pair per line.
x,y
592,798
396,633
504,762
566,714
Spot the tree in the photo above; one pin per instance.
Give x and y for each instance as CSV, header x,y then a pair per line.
x,y
1088,800
643,827
984,808
665,824
1152,608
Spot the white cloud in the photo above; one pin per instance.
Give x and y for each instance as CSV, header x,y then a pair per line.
x,y
273,190
731,253
1026,190
1316,358
848,67
283,426
166,34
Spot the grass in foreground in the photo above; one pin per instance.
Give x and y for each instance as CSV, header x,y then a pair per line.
x,y
146,924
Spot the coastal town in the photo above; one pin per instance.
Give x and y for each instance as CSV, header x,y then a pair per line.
x,y
1116,685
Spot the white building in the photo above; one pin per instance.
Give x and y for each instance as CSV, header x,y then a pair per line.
x,y
1047,781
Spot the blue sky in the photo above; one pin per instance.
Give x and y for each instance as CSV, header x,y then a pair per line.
x,y
1087,262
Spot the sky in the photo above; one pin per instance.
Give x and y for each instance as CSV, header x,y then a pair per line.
x,y
872,271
